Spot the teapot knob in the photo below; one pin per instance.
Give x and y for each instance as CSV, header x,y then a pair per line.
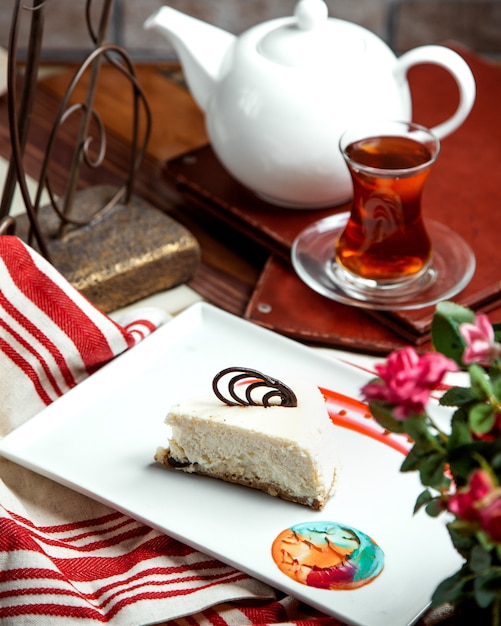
x,y
310,13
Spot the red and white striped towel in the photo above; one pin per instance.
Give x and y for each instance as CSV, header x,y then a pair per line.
x,y
108,569
51,337
63,557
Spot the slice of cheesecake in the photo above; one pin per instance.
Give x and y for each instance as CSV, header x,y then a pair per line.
x,y
249,437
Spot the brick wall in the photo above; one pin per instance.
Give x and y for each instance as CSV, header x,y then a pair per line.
x,y
403,24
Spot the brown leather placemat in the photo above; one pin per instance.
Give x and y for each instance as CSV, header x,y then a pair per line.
x,y
462,191
282,302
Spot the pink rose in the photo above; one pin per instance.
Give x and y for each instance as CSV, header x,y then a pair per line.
x,y
479,502
466,502
407,379
480,344
490,517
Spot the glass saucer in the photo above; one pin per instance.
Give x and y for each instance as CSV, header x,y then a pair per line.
x,y
451,268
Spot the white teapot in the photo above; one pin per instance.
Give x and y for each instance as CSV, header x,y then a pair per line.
x,y
278,97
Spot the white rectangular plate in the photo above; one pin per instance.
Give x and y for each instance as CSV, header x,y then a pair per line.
x,y
100,438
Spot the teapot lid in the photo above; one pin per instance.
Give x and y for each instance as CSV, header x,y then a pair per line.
x,y
308,39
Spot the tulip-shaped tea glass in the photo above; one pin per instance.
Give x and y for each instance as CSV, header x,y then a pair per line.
x,y
382,254
385,244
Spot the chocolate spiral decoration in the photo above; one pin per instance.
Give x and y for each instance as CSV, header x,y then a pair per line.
x,y
256,380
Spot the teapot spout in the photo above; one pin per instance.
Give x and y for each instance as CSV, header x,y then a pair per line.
x,y
200,47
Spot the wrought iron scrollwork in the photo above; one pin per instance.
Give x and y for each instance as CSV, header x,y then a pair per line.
x,y
90,143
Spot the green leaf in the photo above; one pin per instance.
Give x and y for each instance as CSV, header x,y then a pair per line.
x,y
497,331
484,540
432,470
464,459
418,430
462,536
413,460
435,507
482,418
457,396
460,434
480,559
486,586
454,312
496,462
449,590
445,333
423,499
480,382
382,413
495,375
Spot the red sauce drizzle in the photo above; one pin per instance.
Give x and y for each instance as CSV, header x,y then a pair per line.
x,y
339,417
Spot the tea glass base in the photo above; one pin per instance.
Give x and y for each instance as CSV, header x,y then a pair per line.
x,y
365,288
450,270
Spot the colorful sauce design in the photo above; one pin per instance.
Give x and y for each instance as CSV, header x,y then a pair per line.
x,y
327,555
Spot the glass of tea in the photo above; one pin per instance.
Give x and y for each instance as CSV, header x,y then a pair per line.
x,y
384,244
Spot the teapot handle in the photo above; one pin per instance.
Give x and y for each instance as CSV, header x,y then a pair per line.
x,y
461,72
